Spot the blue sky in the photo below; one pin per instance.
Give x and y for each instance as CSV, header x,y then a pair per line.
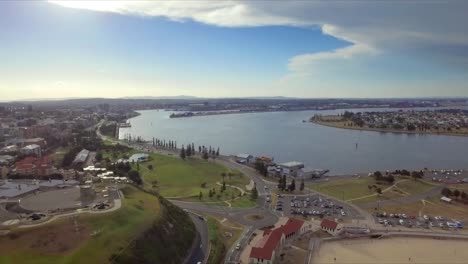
x,y
54,50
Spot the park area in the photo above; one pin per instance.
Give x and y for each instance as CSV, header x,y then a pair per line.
x,y
174,177
364,189
84,238
382,251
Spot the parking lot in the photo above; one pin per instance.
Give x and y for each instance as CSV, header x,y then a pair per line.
x,y
447,176
312,205
424,221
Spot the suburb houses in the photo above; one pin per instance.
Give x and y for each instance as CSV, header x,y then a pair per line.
x,y
273,241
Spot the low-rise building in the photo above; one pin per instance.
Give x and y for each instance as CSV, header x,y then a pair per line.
x,y
273,241
331,227
291,168
311,173
6,159
32,166
81,157
32,149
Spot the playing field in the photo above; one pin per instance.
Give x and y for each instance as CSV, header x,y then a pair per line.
x,y
393,250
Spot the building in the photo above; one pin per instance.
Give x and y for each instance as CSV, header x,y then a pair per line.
x,y
81,157
139,157
266,160
291,168
32,149
244,158
4,170
11,149
6,159
331,227
445,199
37,167
273,241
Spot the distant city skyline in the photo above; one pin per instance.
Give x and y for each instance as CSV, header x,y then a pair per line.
x,y
213,49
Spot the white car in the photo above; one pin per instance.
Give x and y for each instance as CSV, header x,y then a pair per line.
x,y
238,246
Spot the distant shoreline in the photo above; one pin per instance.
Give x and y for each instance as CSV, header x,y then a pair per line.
x,y
383,130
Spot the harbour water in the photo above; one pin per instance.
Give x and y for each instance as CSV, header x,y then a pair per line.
x,y
284,136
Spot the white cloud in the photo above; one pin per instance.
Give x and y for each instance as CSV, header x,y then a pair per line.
x,y
370,27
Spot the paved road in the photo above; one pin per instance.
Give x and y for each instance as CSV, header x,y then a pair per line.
x,y
200,245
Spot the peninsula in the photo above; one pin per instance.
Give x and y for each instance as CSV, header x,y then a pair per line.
x,y
453,122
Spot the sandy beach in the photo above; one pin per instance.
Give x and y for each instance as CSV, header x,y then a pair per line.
x,y
393,251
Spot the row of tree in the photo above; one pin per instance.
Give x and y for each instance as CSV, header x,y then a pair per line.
x,y
282,184
162,143
204,151
455,193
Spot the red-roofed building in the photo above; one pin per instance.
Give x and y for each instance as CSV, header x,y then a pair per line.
x,y
331,227
32,166
273,241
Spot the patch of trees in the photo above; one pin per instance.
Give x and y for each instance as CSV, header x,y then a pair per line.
x,y
261,167
135,177
386,178
109,129
70,156
455,194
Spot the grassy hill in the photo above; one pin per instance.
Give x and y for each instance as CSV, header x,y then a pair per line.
x,y
120,236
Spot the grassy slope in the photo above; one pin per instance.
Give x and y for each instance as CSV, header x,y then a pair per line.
x,y
218,249
117,229
176,177
347,188
357,187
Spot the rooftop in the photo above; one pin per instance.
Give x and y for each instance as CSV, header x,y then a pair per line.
x,y
271,239
292,164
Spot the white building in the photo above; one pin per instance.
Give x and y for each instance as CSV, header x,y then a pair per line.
x,y
291,168
32,149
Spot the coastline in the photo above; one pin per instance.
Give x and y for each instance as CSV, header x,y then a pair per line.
x,y
381,130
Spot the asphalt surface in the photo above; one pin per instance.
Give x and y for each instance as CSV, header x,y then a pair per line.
x,y
200,245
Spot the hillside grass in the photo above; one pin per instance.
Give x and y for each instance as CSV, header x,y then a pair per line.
x,y
174,177
114,232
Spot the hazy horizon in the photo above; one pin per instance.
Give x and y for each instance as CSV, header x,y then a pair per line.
x,y
234,49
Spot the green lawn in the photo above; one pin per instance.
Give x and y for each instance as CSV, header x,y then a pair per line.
x,y
115,230
218,249
174,177
411,186
347,188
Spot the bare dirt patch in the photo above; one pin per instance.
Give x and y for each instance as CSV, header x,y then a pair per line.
x,y
254,217
54,239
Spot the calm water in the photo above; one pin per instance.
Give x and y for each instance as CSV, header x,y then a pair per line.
x,y
283,136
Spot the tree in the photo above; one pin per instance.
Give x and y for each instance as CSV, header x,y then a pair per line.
x,y
463,195
379,191
254,193
135,177
138,166
188,152
199,149
217,152
182,154
223,188
446,192
283,184
200,196
378,175
98,157
205,155
150,167
210,193
292,186
301,188
456,193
